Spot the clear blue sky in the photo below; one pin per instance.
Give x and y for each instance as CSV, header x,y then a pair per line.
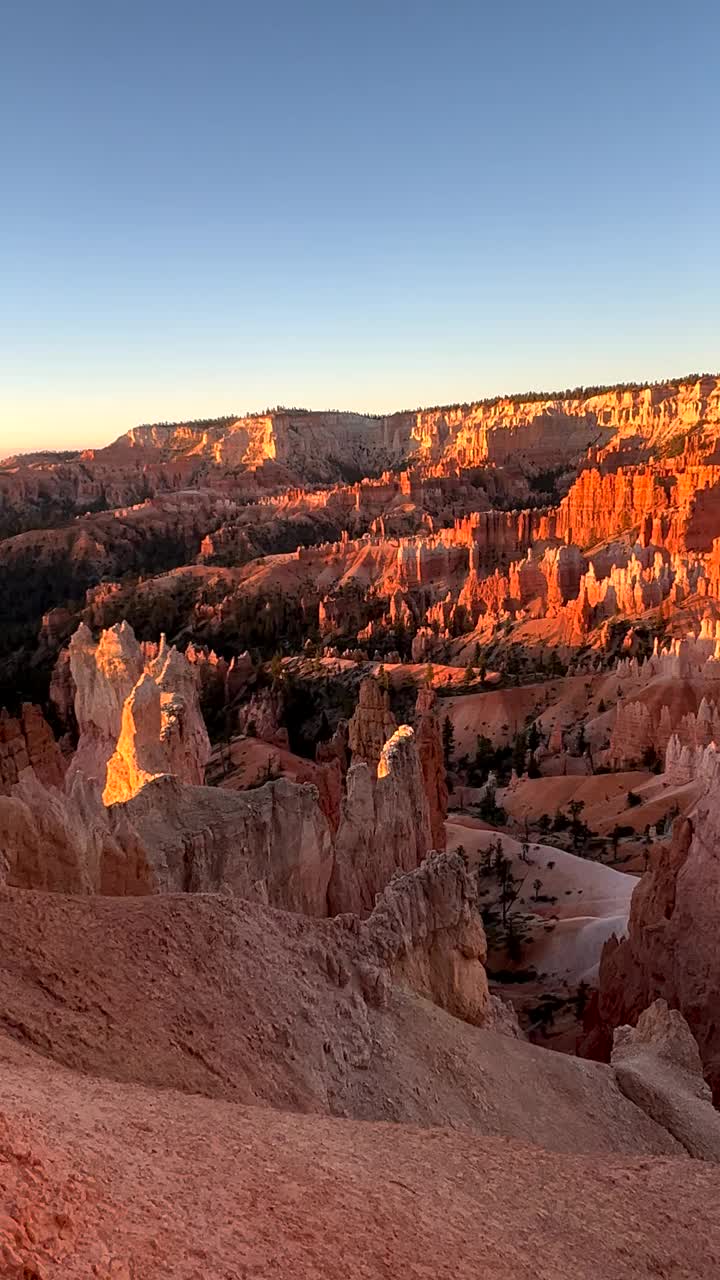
x,y
215,206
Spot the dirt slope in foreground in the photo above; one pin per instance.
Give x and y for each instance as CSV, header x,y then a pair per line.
x,y
107,1180
212,995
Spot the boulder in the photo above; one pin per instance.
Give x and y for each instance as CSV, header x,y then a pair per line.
x,y
426,932
657,1066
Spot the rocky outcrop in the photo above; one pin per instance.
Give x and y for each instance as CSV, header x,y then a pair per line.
x,y
62,841
602,505
314,446
103,675
137,712
426,932
430,750
335,748
139,756
271,845
62,693
261,715
184,739
543,431
384,825
284,843
401,804
633,735
28,742
371,724
670,951
657,1066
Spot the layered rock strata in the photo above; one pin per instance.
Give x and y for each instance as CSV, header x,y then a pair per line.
x,y
669,952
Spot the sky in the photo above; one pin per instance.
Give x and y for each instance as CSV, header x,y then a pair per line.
x,y
215,207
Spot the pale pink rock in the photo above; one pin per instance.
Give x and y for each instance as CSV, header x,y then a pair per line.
x,y
670,951
426,932
432,762
384,825
137,712
371,724
28,742
104,675
657,1065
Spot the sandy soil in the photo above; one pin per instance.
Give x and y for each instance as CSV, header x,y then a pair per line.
x,y
591,901
604,797
244,762
128,1183
208,994
500,713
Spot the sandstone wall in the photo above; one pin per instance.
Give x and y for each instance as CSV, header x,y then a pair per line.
x,y
27,742
670,951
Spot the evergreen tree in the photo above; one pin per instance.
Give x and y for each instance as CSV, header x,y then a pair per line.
x,y
519,753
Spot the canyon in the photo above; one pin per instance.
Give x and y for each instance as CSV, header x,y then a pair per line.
x,y
359,823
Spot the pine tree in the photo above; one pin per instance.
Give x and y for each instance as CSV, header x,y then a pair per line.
x,y
519,752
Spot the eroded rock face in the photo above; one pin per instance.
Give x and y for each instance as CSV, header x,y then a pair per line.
x,y
426,931
63,842
139,755
657,1066
335,748
276,844
271,845
401,805
432,762
260,716
183,734
144,746
28,742
62,696
104,675
545,432
356,877
137,712
384,825
670,951
371,724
